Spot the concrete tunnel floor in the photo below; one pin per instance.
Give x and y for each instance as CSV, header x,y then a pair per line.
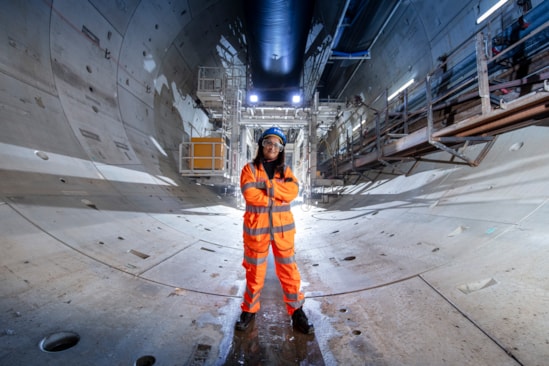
x,y
445,266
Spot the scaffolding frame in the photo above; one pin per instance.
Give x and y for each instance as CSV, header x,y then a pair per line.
x,y
219,90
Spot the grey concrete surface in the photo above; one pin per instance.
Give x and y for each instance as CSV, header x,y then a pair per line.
x,y
101,237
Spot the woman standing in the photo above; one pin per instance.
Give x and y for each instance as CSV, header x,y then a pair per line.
x,y
269,186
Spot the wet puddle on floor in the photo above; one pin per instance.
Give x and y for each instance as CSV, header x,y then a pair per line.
x,y
270,339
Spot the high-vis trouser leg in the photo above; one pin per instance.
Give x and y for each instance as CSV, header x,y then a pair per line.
x,y
286,269
255,264
289,277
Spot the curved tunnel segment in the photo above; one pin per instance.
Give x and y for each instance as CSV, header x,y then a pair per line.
x,y
112,257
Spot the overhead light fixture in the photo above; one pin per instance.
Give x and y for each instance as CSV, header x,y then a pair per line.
x,y
253,98
296,99
490,11
410,82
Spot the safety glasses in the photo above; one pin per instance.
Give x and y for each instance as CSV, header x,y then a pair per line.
x,y
276,145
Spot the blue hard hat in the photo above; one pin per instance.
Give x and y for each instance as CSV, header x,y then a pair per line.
x,y
274,131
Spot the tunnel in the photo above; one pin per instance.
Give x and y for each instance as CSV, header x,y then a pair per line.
x,y
111,256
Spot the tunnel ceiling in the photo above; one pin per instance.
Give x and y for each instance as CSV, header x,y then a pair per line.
x,y
360,25
277,33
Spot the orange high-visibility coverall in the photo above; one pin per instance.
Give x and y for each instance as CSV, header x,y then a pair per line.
x,y
268,220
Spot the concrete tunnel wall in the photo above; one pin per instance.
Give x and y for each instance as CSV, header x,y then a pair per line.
x,y
100,236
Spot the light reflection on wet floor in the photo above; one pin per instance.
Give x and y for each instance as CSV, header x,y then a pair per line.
x,y
270,338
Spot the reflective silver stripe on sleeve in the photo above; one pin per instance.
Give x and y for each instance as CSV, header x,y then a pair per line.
x,y
252,185
247,185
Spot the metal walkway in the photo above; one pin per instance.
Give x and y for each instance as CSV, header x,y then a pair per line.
x,y
471,102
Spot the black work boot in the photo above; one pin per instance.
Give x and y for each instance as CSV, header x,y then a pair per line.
x,y
245,320
300,321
